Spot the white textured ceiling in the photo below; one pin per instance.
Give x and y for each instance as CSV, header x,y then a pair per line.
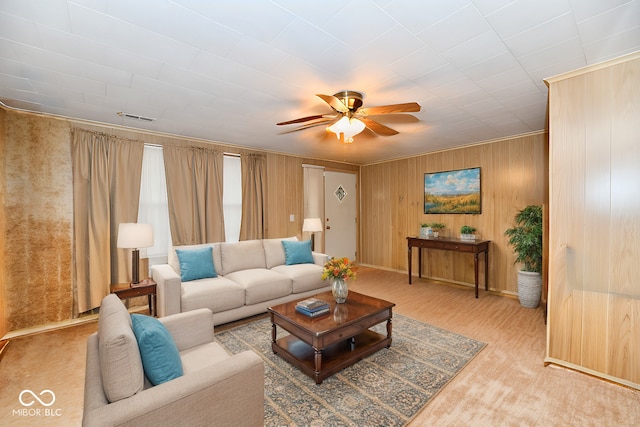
x,y
227,71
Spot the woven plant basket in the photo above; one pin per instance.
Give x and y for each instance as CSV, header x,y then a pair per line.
x,y
529,288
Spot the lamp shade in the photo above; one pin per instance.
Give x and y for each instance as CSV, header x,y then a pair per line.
x,y
132,235
312,225
348,127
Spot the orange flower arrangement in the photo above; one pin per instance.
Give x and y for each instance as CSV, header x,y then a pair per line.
x,y
339,268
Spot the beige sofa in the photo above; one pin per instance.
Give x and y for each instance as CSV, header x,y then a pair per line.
x,y
216,388
252,275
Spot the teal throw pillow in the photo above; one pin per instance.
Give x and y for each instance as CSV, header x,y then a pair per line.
x,y
297,252
196,263
160,356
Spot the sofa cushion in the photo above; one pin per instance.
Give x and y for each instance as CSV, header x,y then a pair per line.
x,y
196,263
261,284
274,251
297,252
174,262
219,294
120,363
160,356
241,256
305,277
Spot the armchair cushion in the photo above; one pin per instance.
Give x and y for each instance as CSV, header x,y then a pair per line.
x,y
203,356
120,363
160,357
196,263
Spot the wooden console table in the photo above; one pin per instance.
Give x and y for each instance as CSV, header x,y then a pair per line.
x,y
470,246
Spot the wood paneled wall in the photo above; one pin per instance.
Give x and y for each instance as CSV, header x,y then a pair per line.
x,y
513,175
285,182
594,259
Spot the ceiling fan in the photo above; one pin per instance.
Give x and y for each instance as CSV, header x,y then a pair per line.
x,y
350,118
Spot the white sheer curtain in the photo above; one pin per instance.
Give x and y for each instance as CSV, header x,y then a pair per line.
x,y
232,197
154,207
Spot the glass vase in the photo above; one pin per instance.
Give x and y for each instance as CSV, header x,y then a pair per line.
x,y
340,290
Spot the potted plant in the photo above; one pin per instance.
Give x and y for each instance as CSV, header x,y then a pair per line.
x,y
526,239
436,227
425,229
467,232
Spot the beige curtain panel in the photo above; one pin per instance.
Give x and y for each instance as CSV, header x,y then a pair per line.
x,y
106,191
254,190
194,191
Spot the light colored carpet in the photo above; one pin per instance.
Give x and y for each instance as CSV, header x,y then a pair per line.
x,y
385,389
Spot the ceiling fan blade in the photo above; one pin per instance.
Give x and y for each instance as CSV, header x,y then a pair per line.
x,y
325,121
378,128
408,107
334,102
306,119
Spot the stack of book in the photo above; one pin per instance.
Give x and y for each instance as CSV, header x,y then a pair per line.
x,y
312,307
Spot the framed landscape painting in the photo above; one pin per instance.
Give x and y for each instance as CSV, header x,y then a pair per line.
x,y
452,192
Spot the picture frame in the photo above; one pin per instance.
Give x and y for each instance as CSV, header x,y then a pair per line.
x,y
453,192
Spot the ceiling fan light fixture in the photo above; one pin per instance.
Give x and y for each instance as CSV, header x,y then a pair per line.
x,y
349,119
350,98
346,128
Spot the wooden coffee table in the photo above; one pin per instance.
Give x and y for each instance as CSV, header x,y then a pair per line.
x,y
321,346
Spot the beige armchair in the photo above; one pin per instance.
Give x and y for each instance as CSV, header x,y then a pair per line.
x,y
216,388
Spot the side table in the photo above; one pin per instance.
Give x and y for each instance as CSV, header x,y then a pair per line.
x,y
130,290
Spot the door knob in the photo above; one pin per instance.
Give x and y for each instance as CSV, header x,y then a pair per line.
x,y
328,227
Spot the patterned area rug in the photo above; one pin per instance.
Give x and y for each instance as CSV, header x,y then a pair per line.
x,y
387,388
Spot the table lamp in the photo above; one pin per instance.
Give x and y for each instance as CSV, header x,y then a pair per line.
x,y
312,225
132,235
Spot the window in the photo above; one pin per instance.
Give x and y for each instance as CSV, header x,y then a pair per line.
x,y
154,206
232,197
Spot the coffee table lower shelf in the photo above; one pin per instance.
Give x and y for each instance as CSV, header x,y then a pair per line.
x,y
331,359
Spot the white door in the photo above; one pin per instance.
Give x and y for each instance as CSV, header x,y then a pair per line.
x,y
340,211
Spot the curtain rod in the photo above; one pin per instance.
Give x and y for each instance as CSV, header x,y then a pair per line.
x,y
160,146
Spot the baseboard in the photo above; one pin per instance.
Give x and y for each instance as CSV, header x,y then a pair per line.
x,y
441,281
551,361
60,325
